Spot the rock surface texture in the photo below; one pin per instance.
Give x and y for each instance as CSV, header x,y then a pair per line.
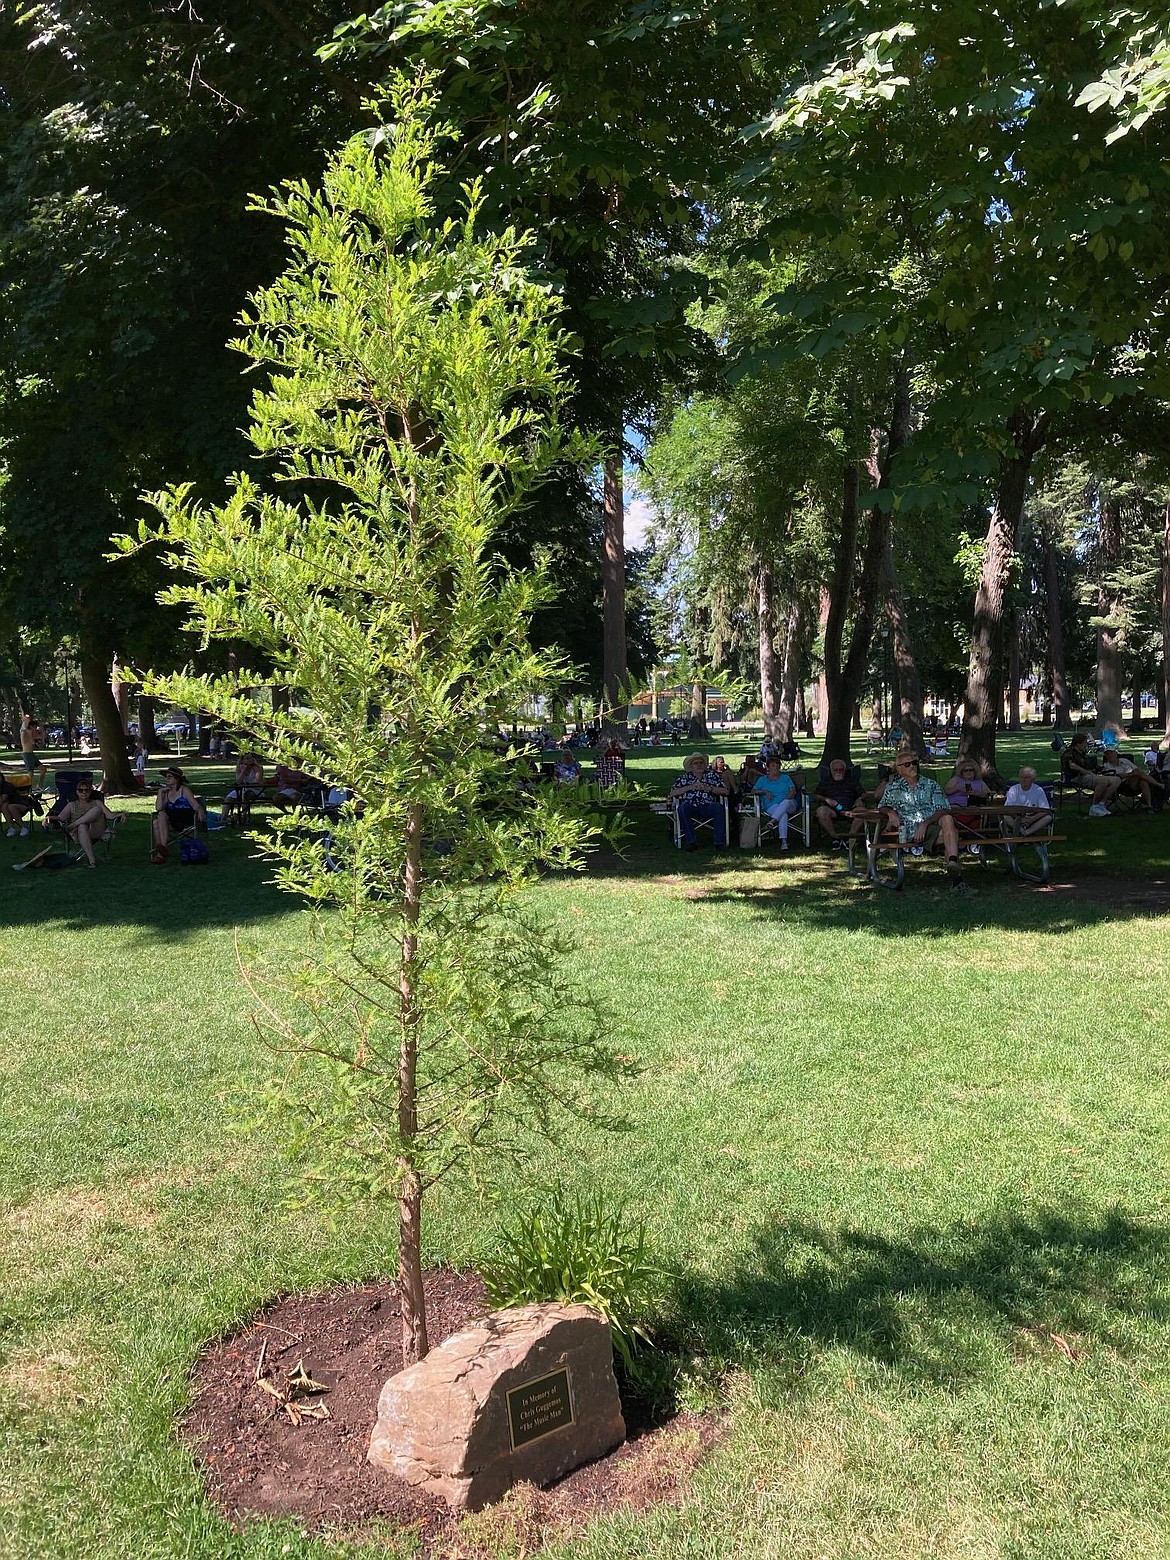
x,y
525,1394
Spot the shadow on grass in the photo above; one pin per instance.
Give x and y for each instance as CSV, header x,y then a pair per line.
x,y
813,890
171,903
940,1305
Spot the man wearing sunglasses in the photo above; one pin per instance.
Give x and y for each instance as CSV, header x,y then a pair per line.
x,y
923,813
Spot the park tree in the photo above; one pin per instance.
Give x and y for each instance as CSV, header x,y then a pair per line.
x,y
602,125
132,135
410,406
966,139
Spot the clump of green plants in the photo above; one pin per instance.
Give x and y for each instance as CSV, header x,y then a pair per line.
x,y
580,1248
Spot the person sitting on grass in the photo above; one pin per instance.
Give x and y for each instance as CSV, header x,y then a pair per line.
x,y
777,792
1026,793
838,792
916,803
176,807
698,797
1080,770
86,819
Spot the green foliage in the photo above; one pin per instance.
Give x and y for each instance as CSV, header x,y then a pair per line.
x,y
582,1249
411,404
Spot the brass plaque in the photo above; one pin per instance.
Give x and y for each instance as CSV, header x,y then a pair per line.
x,y
539,1407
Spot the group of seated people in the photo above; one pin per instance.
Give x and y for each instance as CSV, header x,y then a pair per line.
x,y
702,791
1107,775
924,812
609,766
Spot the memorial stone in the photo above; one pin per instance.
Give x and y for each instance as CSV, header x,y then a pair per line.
x,y
524,1394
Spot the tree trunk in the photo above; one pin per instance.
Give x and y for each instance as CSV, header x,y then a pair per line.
x,y
1056,667
147,710
1164,691
822,708
613,594
94,662
120,692
985,672
790,675
1108,608
905,669
698,727
844,688
840,593
1013,670
410,1283
769,666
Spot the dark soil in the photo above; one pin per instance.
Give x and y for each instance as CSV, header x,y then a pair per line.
x,y
257,1462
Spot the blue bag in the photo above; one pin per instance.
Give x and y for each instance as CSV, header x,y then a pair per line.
x,y
193,853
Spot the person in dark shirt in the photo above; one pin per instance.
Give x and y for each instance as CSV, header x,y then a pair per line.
x,y
838,792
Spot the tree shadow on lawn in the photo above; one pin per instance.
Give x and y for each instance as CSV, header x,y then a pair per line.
x,y
171,903
814,890
942,1305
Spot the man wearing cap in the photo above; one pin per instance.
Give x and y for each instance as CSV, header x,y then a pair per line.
x,y
923,813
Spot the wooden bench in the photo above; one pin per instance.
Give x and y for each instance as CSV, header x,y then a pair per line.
x,y
989,833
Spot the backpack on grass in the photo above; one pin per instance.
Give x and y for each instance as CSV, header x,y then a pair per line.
x,y
193,853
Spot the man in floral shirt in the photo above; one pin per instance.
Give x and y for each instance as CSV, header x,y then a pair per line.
x,y
698,795
922,812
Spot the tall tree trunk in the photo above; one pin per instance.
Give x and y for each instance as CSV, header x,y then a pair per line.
x,y
1108,609
769,666
147,712
698,727
896,700
94,661
1164,691
822,709
790,675
908,682
1056,665
844,688
411,1300
613,592
985,672
120,692
1012,621
840,592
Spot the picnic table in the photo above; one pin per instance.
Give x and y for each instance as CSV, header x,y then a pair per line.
x,y
984,833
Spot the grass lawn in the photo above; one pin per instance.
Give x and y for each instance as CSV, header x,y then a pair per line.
x,y
904,1157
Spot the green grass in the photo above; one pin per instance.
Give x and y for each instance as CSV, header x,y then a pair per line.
x,y
904,1156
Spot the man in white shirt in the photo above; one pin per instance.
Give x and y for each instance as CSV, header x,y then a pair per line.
x,y
1026,793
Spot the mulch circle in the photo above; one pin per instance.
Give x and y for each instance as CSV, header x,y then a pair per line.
x,y
258,1463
